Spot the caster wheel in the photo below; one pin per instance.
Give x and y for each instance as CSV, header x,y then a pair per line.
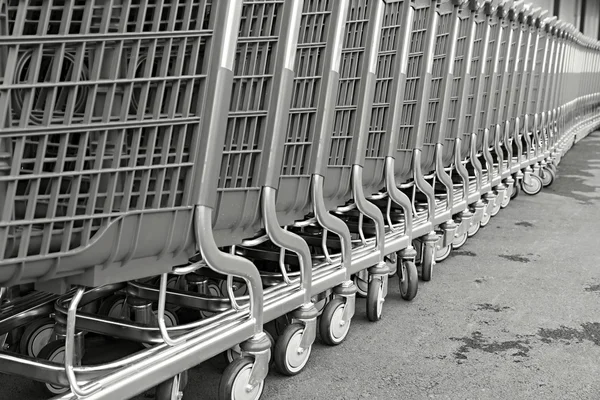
x,y
212,289
235,352
171,319
332,328
459,241
36,336
473,229
552,167
362,286
485,219
113,306
507,197
409,281
55,352
239,288
375,299
516,190
427,262
172,389
495,209
535,187
441,253
288,359
547,177
234,382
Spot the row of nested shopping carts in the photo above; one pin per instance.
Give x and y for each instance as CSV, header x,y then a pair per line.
x,y
202,178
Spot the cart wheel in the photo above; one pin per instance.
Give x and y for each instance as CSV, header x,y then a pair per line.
x,y
535,187
552,167
472,231
333,330
507,197
170,389
112,306
234,382
212,289
288,359
516,190
485,219
495,209
547,177
55,352
235,352
362,286
375,299
409,284
441,253
36,336
427,262
459,241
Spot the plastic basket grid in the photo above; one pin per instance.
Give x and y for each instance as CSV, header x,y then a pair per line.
x,y
459,65
501,77
442,44
238,189
315,26
510,75
526,87
539,69
312,44
353,57
95,131
487,92
414,73
390,42
518,66
473,98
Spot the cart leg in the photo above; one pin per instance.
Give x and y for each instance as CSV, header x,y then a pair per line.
x,y
337,316
294,346
245,377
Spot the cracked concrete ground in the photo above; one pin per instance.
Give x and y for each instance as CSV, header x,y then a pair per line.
x,y
514,314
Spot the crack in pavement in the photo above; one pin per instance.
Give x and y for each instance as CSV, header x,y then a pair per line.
x,y
520,347
515,258
490,307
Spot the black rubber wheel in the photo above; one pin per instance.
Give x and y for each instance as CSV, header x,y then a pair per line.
x,y
496,208
516,190
535,187
36,336
375,299
112,306
427,262
331,329
547,176
507,197
164,391
287,359
55,352
234,380
442,253
361,286
485,219
409,284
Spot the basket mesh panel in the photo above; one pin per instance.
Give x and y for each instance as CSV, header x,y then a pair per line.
x,y
99,116
390,42
414,74
312,43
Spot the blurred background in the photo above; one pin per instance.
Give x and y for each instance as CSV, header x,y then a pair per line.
x,y
584,14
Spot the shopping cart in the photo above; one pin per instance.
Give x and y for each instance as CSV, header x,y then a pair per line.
x,y
110,131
